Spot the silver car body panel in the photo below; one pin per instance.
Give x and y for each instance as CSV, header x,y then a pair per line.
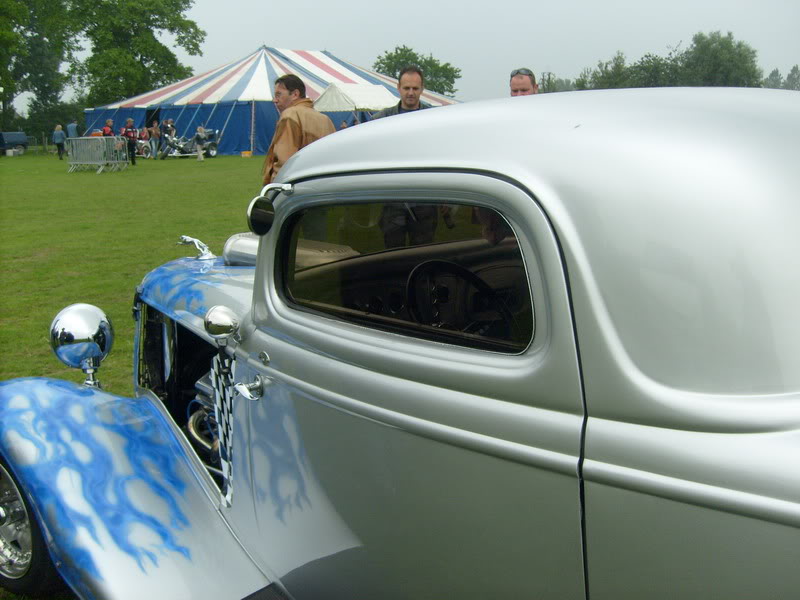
x,y
643,445
673,210
424,450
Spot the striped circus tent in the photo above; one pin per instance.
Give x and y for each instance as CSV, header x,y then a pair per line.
x,y
236,98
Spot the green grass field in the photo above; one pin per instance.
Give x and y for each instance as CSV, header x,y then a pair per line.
x,y
83,237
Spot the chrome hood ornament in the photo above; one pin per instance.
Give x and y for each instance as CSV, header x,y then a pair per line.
x,y
203,253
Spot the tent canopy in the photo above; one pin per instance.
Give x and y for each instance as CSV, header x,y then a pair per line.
x,y
236,98
354,96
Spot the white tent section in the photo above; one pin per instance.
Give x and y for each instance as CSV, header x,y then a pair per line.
x,y
354,97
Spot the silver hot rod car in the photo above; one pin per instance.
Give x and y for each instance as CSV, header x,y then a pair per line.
x,y
541,347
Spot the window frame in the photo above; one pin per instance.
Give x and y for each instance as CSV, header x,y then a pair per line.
x,y
406,328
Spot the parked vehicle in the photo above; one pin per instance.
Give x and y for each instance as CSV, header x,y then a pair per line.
x,y
143,148
553,354
182,146
13,140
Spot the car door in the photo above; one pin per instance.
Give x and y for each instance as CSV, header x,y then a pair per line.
x,y
420,433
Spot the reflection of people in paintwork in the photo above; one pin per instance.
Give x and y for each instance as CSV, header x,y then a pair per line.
x,y
406,224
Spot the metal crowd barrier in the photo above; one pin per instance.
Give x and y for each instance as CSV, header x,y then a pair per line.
x,y
107,153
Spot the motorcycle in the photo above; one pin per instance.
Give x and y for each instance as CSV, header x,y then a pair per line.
x,y
182,146
143,148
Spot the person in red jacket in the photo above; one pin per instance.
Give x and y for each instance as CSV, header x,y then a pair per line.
x,y
130,134
108,129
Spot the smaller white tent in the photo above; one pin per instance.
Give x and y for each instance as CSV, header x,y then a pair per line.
x,y
354,97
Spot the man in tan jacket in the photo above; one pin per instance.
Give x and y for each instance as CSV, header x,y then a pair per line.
x,y
298,126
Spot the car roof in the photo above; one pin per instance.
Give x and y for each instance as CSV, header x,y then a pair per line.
x,y
677,210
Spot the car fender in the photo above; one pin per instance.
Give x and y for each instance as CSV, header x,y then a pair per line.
x,y
126,511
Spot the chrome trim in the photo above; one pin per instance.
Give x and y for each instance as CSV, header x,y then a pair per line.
x,y
286,188
81,336
203,253
16,545
221,323
254,390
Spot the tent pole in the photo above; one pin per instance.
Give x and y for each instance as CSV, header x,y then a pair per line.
x,y
211,115
252,125
178,117
189,126
89,128
224,127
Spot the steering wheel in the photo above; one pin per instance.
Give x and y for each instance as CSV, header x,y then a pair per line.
x,y
425,295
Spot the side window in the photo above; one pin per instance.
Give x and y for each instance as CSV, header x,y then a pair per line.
x,y
446,272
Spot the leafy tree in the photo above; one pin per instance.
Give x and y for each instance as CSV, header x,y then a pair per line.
x,y
656,71
584,80
712,59
718,60
548,83
774,80
792,81
128,58
439,77
610,73
49,34
13,16
42,118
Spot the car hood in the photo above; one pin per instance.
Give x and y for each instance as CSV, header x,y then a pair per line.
x,y
186,288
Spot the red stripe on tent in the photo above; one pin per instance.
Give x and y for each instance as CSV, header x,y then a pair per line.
x,y
199,99
439,99
310,92
161,92
166,90
327,68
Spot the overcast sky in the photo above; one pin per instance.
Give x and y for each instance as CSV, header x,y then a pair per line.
x,y
488,39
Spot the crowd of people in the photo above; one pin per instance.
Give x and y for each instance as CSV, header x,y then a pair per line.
x,y
155,137
299,125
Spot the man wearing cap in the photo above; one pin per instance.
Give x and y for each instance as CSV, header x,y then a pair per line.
x,y
523,83
300,124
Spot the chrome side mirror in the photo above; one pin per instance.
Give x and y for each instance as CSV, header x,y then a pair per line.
x,y
81,336
260,215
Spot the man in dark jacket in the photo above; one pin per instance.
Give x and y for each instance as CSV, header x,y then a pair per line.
x,y
410,85
131,135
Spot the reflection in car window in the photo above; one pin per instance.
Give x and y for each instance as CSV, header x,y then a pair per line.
x,y
444,272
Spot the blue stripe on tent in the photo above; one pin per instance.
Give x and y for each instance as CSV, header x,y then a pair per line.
x,y
300,70
174,99
243,82
272,74
353,69
362,73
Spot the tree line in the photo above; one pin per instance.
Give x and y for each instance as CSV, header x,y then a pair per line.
x,y
712,59
109,50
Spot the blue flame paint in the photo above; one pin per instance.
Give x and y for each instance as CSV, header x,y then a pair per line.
x,y
43,412
182,285
274,414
